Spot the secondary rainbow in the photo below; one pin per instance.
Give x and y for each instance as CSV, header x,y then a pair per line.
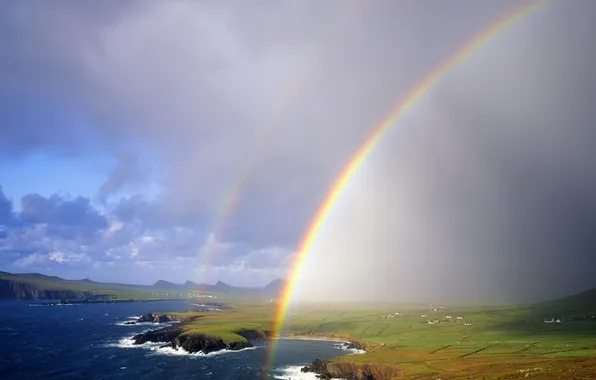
x,y
245,172
370,143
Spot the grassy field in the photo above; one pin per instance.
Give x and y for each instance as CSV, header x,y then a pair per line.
x,y
501,342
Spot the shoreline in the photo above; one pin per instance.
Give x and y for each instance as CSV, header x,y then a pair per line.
x,y
310,337
99,301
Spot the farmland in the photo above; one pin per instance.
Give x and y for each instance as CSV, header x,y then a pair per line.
x,y
488,342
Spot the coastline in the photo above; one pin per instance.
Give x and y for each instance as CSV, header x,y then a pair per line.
x,y
309,337
180,339
86,302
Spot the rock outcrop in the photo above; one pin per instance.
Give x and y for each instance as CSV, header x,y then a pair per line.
x,y
177,338
331,369
353,346
205,343
163,335
20,290
160,318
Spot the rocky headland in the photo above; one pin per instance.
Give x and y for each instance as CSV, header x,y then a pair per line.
x,y
348,370
189,338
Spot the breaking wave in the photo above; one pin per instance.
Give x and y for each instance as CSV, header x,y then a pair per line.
x,y
294,372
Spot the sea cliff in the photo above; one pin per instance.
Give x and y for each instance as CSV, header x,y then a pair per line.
x,y
18,290
342,369
349,370
188,337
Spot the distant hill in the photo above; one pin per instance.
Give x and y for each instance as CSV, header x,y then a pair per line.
x,y
40,286
580,304
276,285
270,290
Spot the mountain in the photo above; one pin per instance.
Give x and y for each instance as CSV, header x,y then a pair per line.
x,y
161,284
270,290
222,287
276,285
40,286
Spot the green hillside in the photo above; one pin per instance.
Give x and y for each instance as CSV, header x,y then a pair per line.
x,y
579,305
39,286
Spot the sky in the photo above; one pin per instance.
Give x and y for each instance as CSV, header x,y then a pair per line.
x,y
183,140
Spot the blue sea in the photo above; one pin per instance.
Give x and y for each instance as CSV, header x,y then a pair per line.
x,y
91,342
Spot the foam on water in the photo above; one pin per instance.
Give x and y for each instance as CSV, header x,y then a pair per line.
x,y
351,351
125,324
294,372
127,342
156,348
180,352
134,318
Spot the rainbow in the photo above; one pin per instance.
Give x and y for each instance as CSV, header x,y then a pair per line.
x,y
369,144
233,194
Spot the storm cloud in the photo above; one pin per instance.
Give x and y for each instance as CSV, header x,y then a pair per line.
x,y
485,192
244,112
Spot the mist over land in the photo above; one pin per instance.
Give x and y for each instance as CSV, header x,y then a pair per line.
x,y
126,125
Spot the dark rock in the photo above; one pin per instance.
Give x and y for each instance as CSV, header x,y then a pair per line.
x,y
319,367
167,334
172,337
353,345
131,323
206,344
146,318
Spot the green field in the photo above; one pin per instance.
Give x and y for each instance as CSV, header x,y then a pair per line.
x,y
501,342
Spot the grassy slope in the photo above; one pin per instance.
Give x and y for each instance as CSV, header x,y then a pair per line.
x,y
446,350
111,291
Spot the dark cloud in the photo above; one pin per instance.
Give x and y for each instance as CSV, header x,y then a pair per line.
x,y
56,210
127,171
484,190
74,237
6,215
239,99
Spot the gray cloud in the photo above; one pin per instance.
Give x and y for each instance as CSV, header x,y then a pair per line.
x,y
248,89
246,96
74,238
6,215
58,211
485,192
126,172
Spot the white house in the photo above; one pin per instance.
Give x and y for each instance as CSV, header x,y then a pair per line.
x,y
422,315
460,317
552,320
448,317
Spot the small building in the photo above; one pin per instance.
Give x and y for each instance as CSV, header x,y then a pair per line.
x,y
422,315
460,317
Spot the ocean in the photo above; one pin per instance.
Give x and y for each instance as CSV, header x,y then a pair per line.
x,y
90,341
